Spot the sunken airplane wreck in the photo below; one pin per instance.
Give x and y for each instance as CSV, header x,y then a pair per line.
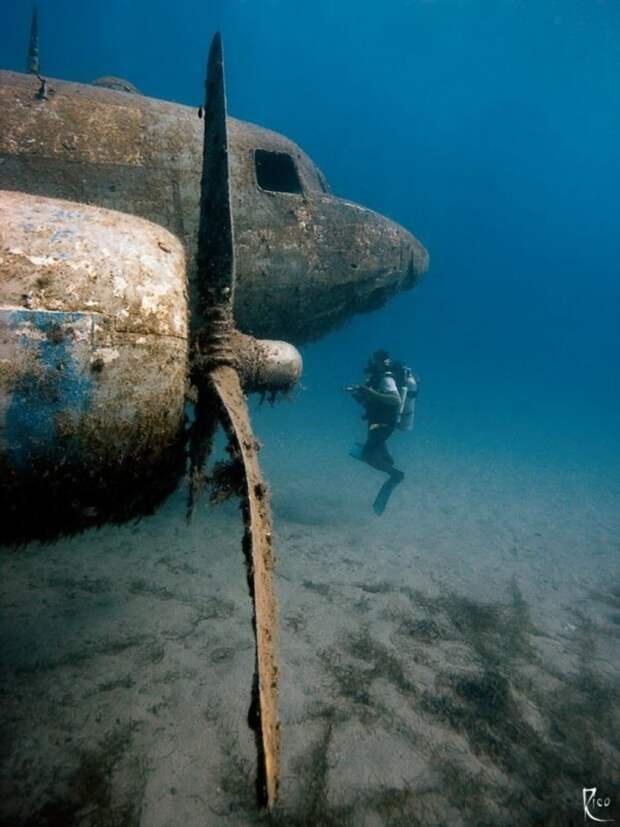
x,y
112,282
142,250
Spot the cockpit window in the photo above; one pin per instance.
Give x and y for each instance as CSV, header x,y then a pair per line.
x,y
276,171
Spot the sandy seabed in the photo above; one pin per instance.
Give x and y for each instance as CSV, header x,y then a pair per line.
x,y
455,662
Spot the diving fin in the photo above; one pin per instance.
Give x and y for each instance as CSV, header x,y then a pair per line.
x,y
385,492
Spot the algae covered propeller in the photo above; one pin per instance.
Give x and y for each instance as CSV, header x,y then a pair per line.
x,y
216,363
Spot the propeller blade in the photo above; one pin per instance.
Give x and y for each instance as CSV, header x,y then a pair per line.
x,y
215,259
214,371
260,559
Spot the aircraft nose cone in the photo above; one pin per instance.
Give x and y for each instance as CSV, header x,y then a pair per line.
x,y
333,259
414,257
391,263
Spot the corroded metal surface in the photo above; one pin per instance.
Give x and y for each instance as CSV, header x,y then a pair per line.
x,y
305,262
63,256
260,557
120,84
267,365
93,362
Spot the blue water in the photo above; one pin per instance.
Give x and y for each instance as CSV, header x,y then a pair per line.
x,y
490,130
487,128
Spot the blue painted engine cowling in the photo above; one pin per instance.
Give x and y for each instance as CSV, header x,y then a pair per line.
x,y
93,364
54,386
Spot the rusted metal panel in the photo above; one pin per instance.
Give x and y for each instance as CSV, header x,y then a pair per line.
x,y
93,360
305,262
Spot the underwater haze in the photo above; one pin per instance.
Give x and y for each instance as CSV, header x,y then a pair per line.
x,y
457,659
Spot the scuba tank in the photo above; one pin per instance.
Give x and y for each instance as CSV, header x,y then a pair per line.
x,y
408,392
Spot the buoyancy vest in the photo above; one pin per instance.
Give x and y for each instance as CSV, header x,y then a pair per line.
x,y
380,413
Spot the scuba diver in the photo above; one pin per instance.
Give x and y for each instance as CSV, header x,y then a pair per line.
x,y
388,397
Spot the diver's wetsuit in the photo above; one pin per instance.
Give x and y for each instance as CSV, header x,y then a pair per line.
x,y
375,451
382,419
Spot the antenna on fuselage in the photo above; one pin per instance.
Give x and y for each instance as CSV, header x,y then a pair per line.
x,y
32,65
